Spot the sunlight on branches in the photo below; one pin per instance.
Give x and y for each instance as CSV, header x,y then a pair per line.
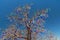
x,y
27,27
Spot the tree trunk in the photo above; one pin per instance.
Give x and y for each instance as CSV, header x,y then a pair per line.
x,y
29,33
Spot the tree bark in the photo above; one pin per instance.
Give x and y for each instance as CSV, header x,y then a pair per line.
x,y
29,33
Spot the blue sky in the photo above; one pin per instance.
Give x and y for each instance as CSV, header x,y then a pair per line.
x,y
52,22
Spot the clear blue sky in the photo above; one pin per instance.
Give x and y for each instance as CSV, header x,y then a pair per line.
x,y
52,22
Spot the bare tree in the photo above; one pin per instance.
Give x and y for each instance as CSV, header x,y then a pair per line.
x,y
31,24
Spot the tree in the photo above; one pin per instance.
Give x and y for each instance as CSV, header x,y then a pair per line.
x,y
25,25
